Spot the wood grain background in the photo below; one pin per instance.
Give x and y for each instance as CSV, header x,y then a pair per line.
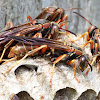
x,y
17,10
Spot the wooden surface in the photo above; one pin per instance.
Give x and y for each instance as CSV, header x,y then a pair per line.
x,y
17,10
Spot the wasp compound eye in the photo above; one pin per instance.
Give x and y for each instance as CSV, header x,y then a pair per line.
x,y
82,63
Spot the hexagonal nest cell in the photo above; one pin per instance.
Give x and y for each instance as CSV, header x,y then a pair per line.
x,y
29,80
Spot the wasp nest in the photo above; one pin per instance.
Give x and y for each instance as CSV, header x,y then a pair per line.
x,y
29,80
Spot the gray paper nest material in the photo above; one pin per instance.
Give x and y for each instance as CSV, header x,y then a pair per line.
x,y
36,83
32,77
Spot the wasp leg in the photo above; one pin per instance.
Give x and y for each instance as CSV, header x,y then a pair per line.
x,y
65,18
7,25
79,38
40,36
6,60
66,28
37,35
27,54
82,36
87,71
91,44
72,40
30,19
62,24
5,48
55,62
96,48
9,43
58,21
74,61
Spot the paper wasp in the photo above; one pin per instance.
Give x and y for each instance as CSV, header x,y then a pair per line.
x,y
47,30
29,46
40,19
93,37
23,28
39,27
36,25
54,14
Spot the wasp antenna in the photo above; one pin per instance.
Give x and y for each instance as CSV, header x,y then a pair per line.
x,y
43,8
69,31
73,9
83,17
89,65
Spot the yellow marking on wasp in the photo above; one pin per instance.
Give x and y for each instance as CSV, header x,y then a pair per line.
x,y
49,54
24,47
19,50
52,50
71,54
27,54
78,56
31,47
49,36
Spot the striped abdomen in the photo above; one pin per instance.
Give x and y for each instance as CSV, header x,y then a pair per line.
x,y
20,50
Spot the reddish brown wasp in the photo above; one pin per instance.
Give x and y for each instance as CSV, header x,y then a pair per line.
x,y
23,28
26,28
93,37
38,27
54,13
56,16
6,43
29,46
46,29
